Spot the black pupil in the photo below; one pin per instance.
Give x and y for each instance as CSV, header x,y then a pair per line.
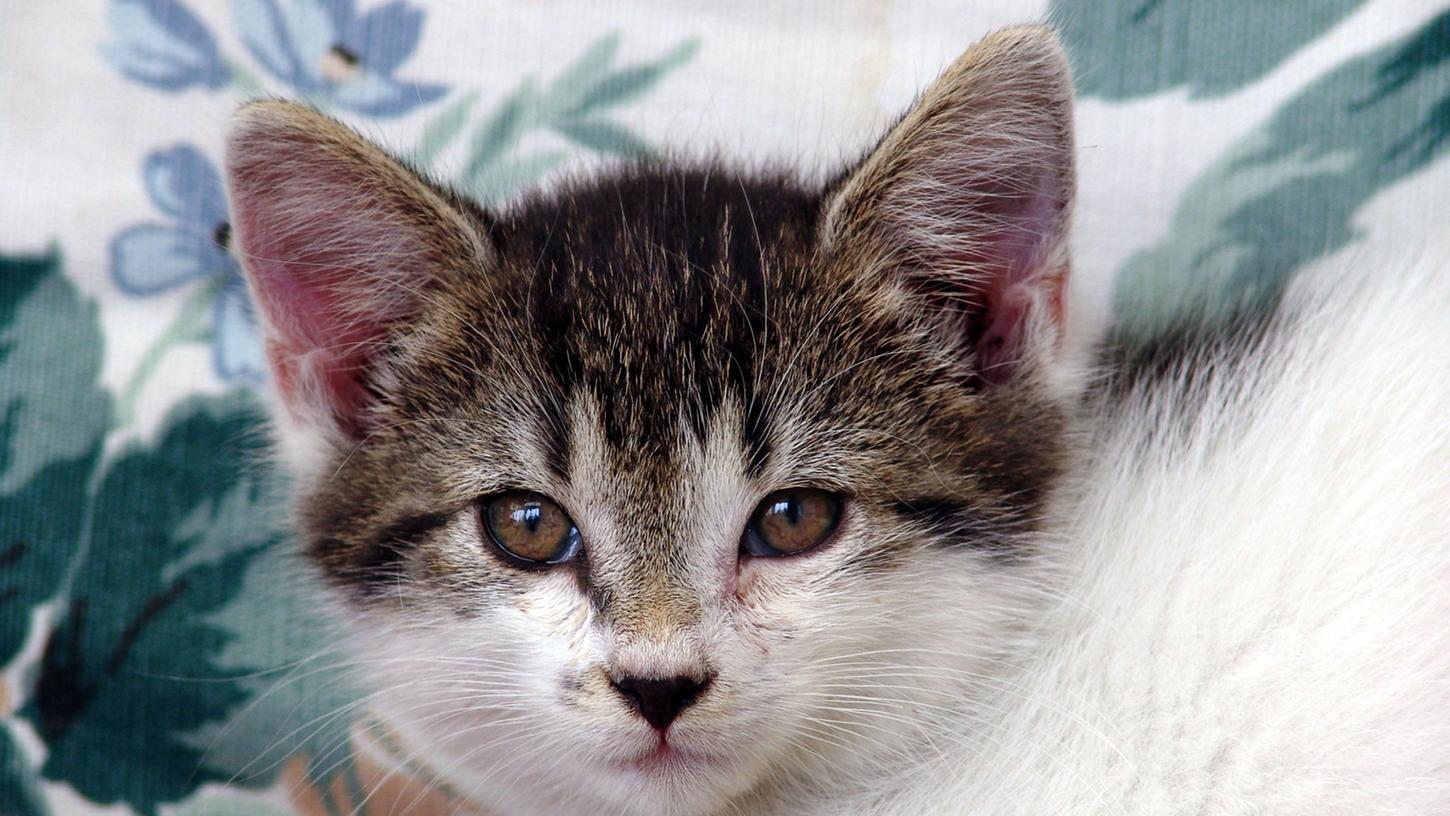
x,y
529,515
222,234
346,55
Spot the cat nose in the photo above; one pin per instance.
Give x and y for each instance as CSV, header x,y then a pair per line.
x,y
660,701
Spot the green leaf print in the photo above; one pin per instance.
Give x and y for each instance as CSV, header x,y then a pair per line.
x,y
302,706
1127,48
603,136
53,418
129,673
1287,194
632,82
567,90
500,132
1425,52
575,105
442,129
493,187
218,805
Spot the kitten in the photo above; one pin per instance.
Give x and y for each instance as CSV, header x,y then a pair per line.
x,y
1256,576
678,488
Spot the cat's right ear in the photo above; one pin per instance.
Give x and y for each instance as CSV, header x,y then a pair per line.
x,y
342,245
967,200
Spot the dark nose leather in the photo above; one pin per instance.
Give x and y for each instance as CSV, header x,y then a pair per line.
x,y
660,701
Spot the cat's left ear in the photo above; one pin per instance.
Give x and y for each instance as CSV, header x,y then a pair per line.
x,y
969,197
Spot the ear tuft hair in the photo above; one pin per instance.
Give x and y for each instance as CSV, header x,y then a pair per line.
x,y
970,196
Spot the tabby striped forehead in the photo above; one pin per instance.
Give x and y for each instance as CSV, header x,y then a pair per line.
x,y
894,336
657,296
663,298
666,347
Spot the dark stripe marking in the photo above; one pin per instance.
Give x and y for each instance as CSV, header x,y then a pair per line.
x,y
956,523
378,563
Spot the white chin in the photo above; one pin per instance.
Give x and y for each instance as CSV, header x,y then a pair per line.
x,y
676,781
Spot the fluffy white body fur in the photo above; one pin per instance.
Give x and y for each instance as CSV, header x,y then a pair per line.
x,y
1256,608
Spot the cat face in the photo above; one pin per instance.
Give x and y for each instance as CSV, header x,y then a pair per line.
x,y
676,484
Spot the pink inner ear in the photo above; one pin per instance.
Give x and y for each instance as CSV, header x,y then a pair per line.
x,y
337,239
320,343
1017,282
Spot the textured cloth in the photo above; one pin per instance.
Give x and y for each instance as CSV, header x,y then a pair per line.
x,y
160,651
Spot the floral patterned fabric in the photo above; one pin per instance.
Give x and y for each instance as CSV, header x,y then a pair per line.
x,y
160,652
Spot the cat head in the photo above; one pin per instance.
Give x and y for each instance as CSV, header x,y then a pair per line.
x,y
675,483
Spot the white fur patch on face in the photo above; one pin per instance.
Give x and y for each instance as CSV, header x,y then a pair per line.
x,y
818,670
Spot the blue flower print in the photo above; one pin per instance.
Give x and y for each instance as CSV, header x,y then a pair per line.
x,y
161,44
325,51
148,259
236,350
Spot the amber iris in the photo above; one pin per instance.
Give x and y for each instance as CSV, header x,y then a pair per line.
x,y
530,527
792,521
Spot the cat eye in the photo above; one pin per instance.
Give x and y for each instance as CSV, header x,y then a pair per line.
x,y
530,528
792,521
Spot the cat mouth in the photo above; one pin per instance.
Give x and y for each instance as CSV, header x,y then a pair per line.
x,y
665,759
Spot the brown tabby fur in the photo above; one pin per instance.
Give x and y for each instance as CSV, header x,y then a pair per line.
x,y
622,340
664,292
